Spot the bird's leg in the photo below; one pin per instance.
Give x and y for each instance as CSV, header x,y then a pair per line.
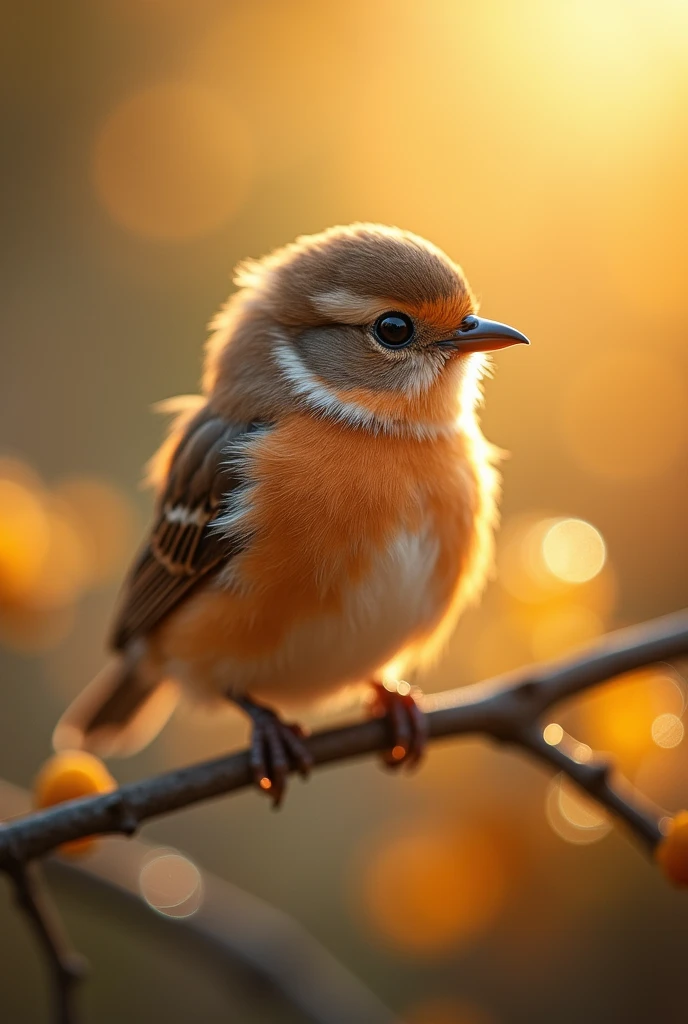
x,y
398,702
276,748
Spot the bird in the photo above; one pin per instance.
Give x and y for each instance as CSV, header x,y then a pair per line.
x,y
325,508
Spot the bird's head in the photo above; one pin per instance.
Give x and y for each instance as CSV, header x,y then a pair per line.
x,y
364,324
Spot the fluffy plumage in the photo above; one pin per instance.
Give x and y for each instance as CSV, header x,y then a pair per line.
x,y
326,507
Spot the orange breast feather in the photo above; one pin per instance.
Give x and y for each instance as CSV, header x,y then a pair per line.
x,y
326,501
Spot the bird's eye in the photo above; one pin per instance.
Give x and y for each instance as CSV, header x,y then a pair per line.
x,y
394,330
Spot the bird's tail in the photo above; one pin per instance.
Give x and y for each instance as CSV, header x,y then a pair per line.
x,y
118,713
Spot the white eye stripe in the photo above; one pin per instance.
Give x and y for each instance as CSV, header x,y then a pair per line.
x,y
316,395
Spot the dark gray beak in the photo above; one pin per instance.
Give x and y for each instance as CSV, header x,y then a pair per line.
x,y
479,335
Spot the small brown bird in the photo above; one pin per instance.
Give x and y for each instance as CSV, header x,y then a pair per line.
x,y
325,509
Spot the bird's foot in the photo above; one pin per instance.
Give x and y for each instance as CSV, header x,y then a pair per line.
x,y
398,702
277,747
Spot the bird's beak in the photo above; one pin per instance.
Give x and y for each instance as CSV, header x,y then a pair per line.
x,y
475,334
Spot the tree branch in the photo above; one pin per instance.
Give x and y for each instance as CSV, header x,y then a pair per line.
x,y
508,709
235,934
66,966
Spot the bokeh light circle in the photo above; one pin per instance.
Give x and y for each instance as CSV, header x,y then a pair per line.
x,y
172,162
624,415
171,884
553,734
574,817
573,550
622,716
667,730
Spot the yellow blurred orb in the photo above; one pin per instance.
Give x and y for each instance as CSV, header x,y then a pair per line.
x,y
24,539
620,716
624,415
171,884
172,162
667,730
671,852
581,753
67,776
573,550
541,559
427,889
553,734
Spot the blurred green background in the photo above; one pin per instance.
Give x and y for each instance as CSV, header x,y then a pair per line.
x,y
147,146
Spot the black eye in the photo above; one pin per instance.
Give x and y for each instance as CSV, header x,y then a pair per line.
x,y
394,330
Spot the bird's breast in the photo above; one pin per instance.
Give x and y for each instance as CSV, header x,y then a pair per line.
x,y
361,546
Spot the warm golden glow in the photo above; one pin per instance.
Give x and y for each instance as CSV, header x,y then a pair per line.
x,y
620,716
24,538
624,414
667,730
544,561
429,888
561,628
573,550
172,162
542,145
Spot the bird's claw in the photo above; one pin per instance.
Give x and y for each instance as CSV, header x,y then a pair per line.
x,y
277,747
407,723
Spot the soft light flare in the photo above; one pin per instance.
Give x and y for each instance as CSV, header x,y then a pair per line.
x,y
553,734
574,817
573,550
171,884
667,730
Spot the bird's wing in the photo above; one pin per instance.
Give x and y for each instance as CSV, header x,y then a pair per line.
x,y
183,548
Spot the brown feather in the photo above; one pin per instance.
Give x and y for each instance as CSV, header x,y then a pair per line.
x,y
183,549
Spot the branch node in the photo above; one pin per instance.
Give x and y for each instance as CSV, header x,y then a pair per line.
x,y
598,773
125,818
528,689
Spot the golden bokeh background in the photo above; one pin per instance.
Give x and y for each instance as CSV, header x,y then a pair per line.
x,y
148,145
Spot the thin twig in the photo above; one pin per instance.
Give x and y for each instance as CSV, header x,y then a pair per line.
x,y
598,778
507,709
66,966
